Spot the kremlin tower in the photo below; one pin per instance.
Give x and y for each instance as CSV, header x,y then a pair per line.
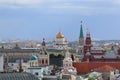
x,y
81,36
88,45
81,41
92,53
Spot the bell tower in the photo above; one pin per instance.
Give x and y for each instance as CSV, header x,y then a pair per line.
x,y
44,56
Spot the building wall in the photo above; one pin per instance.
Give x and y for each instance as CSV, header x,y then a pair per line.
x,y
84,67
12,57
1,63
36,72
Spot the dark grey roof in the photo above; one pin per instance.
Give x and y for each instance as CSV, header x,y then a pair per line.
x,y
34,68
49,78
66,77
17,76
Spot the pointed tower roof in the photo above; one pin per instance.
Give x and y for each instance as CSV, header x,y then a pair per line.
x,y
88,33
81,31
43,43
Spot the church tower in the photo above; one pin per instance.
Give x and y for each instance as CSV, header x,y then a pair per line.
x,y
44,56
68,64
81,41
88,44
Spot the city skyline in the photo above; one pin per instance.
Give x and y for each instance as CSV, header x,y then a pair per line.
x,y
28,19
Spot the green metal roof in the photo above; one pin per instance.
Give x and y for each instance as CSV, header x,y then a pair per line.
x,y
81,32
33,57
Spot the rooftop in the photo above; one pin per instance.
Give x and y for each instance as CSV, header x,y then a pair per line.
x,y
17,76
105,68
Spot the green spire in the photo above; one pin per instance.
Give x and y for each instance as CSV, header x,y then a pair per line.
x,y
81,32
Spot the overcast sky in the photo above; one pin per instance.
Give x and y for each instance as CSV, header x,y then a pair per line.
x,y
35,19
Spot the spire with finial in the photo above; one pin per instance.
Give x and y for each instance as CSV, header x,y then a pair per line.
x,y
88,33
81,37
43,43
81,31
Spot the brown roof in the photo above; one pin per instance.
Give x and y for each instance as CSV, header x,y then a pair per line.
x,y
105,68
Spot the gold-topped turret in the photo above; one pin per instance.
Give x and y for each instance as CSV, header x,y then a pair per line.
x,y
60,35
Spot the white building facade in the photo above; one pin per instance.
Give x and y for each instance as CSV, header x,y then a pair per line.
x,y
68,65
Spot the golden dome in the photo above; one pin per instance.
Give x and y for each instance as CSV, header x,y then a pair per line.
x,y
60,35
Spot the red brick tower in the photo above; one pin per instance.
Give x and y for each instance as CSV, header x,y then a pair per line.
x,y
87,47
88,44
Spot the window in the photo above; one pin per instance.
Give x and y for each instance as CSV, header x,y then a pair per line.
x,y
67,65
42,61
36,73
32,63
46,61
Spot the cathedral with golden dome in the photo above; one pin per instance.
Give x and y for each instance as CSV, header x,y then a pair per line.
x,y
60,42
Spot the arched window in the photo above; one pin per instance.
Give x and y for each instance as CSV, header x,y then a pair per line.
x,y
46,61
42,61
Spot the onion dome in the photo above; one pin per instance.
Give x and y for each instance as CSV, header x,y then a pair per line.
x,y
60,35
33,57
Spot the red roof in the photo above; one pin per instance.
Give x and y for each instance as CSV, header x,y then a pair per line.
x,y
105,68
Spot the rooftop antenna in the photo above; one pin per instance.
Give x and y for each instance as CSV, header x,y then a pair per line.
x,y
88,32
